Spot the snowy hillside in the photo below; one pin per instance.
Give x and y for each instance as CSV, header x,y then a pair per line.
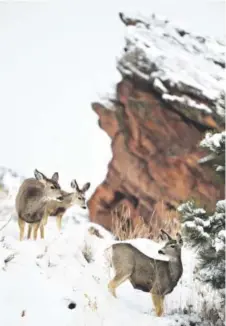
x,y
62,280
187,70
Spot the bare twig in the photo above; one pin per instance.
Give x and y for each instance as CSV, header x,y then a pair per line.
x,y
6,223
123,228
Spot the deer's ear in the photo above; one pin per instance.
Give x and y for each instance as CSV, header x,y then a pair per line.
x,y
179,239
39,175
74,185
85,187
163,237
166,234
160,236
55,177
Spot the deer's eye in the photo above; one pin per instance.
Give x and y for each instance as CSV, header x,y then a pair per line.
x,y
52,187
172,246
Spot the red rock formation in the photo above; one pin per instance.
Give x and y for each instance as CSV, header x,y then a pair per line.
x,y
154,159
155,151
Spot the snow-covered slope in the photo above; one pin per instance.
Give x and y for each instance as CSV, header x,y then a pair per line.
x,y
187,70
40,281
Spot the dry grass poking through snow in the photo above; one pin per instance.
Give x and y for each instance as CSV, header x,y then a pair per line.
x,y
124,227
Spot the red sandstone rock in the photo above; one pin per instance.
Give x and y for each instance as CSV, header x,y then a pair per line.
x,y
155,156
155,149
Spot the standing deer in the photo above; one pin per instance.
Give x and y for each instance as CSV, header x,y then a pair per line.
x,y
31,200
56,208
158,277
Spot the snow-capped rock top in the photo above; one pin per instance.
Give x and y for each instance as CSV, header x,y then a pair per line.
x,y
188,71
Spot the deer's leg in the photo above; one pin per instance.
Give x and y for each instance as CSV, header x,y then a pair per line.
x,y
161,304
116,281
158,303
59,219
21,226
29,231
35,229
42,231
45,218
43,224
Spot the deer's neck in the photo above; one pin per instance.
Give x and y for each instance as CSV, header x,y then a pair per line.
x,y
175,269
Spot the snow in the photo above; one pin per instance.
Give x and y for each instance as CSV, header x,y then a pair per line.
x,y
39,279
220,240
220,205
197,218
158,85
213,141
206,159
186,101
220,168
222,235
189,209
187,64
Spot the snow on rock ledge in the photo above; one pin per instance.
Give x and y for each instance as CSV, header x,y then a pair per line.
x,y
188,71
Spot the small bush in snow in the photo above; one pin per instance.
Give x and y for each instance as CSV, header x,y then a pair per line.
x,y
206,233
215,144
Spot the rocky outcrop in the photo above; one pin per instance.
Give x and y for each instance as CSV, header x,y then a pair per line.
x,y
163,106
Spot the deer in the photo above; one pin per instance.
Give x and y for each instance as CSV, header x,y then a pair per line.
x,y
31,200
158,277
56,208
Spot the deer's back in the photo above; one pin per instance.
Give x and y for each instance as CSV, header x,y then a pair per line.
x,y
29,206
146,274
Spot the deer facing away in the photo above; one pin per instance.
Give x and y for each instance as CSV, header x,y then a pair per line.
x,y
56,208
158,277
31,200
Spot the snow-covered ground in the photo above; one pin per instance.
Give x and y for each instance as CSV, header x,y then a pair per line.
x,y
40,279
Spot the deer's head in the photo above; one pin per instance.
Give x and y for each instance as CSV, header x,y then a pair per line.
x,y
79,195
172,247
52,190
